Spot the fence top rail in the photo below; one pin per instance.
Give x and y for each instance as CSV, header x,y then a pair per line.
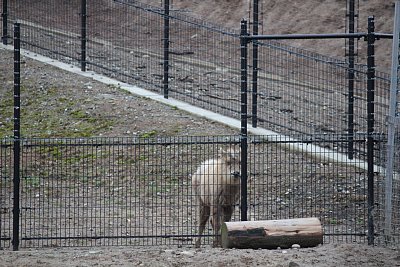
x,y
184,140
122,141
315,36
384,35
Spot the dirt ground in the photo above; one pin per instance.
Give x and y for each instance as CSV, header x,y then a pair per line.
x,y
326,256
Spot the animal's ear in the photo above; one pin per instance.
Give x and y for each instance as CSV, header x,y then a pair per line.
x,y
221,152
238,149
229,151
235,150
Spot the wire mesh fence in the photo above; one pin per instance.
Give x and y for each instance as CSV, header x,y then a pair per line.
x,y
126,43
6,189
307,93
50,28
390,234
132,191
298,91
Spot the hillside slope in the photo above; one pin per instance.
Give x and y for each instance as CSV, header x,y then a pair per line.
x,y
297,16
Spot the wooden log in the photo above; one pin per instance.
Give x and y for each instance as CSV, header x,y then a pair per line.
x,y
271,234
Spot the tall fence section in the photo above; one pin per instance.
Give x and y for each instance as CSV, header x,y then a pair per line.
x,y
391,223
326,159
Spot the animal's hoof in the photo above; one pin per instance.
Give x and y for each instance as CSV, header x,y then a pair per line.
x,y
216,244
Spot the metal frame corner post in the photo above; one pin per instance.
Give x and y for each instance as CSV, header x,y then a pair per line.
x,y
83,34
350,77
255,65
166,49
16,143
370,124
243,118
394,84
4,16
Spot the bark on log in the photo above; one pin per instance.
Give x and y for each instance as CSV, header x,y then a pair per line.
x,y
271,234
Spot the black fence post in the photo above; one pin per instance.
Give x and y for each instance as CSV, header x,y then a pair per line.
x,y
243,118
370,124
255,64
166,47
16,144
4,16
83,34
350,76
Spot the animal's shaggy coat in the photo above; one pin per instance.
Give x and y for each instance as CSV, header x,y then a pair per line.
x,y
217,185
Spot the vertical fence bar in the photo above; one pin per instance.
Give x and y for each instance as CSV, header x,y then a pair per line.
x,y
16,144
4,16
166,47
255,64
370,124
394,84
350,73
83,34
243,119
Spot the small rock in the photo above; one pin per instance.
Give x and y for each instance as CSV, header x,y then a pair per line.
x,y
94,252
187,253
293,264
295,246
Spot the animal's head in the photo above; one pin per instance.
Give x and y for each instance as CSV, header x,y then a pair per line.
x,y
231,156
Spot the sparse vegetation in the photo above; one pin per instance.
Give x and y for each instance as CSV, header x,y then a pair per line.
x,y
32,181
50,113
149,134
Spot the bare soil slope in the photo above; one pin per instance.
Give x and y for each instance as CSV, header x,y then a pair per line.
x,y
310,16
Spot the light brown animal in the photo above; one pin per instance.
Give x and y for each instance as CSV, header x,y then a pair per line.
x,y
217,184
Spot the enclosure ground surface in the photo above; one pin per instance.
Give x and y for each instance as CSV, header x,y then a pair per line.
x,y
325,255
131,115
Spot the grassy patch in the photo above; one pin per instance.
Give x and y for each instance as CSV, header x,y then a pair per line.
x,y
150,134
51,112
32,182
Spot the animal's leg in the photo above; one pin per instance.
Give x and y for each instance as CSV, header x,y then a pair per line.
x,y
216,224
227,213
220,214
203,218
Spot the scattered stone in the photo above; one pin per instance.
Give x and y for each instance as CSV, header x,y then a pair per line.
x,y
295,246
94,251
293,264
187,253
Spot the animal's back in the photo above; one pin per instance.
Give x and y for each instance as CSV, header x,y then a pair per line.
x,y
214,181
